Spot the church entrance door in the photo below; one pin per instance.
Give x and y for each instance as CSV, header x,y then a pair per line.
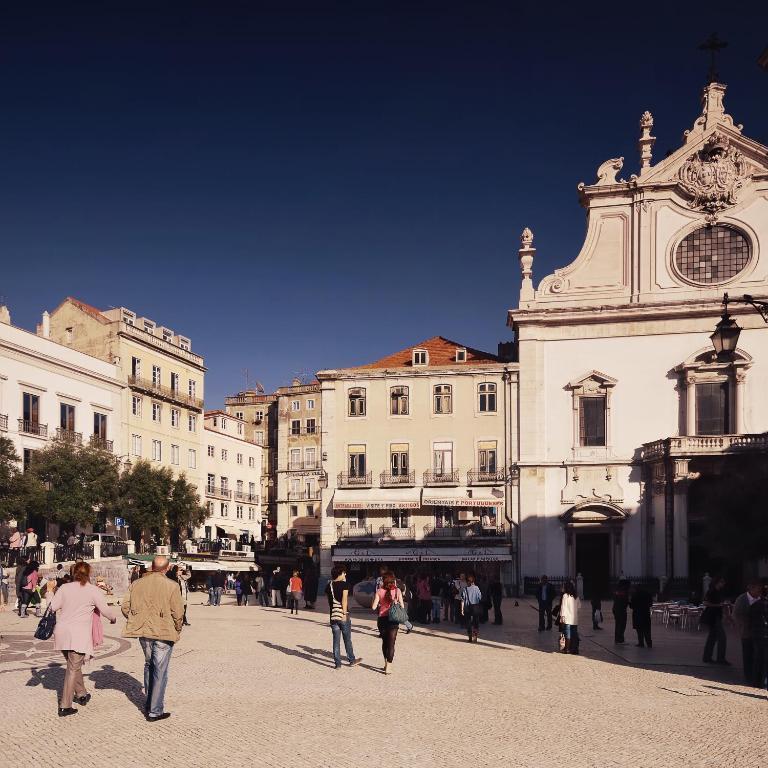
x,y
593,562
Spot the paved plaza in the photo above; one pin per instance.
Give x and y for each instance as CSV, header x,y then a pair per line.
x,y
256,687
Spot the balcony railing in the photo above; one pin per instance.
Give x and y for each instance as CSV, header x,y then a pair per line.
x,y
704,445
304,495
218,493
304,431
302,466
3,421
33,428
392,532
68,436
167,393
349,480
160,343
469,531
346,531
102,443
435,477
249,498
387,479
484,476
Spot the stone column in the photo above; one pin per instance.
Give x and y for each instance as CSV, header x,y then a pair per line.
x,y
690,406
738,403
97,550
49,556
131,547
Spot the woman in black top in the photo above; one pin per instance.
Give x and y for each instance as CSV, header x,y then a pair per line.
x,y
712,616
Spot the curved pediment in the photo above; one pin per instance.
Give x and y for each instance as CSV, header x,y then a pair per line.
x,y
593,513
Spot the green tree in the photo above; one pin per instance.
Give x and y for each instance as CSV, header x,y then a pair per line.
x,y
75,484
12,495
145,494
184,509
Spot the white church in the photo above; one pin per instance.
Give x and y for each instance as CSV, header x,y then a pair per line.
x,y
624,406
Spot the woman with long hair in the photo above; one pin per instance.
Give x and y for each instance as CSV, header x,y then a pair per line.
x,y
569,617
471,607
387,595
77,606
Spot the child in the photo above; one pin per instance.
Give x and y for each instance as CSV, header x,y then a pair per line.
x,y
295,587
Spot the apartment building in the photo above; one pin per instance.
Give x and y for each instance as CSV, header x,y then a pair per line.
x,y
50,391
258,411
163,401
232,465
418,461
299,454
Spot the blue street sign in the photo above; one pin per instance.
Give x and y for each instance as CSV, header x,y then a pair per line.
x,y
119,522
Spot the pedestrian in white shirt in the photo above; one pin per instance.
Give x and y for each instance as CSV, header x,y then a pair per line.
x,y
569,617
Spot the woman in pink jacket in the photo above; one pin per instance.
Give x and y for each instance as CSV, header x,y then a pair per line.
x,y
76,624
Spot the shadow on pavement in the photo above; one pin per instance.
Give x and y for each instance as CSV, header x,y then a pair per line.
x,y
294,652
50,677
108,678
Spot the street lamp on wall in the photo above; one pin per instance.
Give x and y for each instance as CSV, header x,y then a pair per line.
x,y
725,338
322,480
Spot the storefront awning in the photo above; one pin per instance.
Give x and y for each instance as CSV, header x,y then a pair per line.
x,y
421,554
377,498
459,497
230,529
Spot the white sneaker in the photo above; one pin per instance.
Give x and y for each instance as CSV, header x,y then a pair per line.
x,y
387,670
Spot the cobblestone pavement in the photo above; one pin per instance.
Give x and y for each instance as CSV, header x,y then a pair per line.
x,y
256,687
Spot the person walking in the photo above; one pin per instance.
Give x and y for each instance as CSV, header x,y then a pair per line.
x,y
337,593
712,617
259,589
155,614
620,605
457,586
471,609
295,587
387,595
219,583
496,593
77,606
435,592
569,617
14,545
741,607
275,587
28,583
545,594
641,603
424,594
184,576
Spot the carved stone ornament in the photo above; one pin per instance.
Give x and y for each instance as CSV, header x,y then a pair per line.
x,y
606,173
526,239
714,175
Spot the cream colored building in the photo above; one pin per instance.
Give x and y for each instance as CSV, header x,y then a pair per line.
x,y
416,450
163,402
232,466
48,390
259,412
626,414
299,453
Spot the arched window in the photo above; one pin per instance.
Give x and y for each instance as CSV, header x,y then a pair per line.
x,y
398,401
712,255
356,401
443,398
486,398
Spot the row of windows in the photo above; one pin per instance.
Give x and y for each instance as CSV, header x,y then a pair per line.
x,y
309,405
224,485
225,456
30,409
224,424
224,510
442,459
444,517
157,377
442,399
310,510
310,427
137,408
157,452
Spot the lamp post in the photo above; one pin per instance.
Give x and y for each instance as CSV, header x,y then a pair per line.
x,y
725,338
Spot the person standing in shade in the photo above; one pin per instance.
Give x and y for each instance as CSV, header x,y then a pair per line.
x,y
641,603
545,594
337,593
435,592
275,584
155,614
757,616
741,607
74,605
620,605
597,612
569,617
457,587
496,593
424,595
388,594
219,584
471,609
712,617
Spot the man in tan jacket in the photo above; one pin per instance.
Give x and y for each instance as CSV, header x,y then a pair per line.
x,y
155,613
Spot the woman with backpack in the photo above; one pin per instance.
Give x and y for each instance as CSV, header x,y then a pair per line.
x,y
387,596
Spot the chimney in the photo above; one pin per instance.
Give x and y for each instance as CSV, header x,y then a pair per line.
x,y
46,325
5,315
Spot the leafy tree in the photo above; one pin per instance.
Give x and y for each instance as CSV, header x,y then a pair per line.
x,y
145,494
184,509
12,496
75,483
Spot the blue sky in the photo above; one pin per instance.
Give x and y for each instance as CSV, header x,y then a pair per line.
x,y
299,186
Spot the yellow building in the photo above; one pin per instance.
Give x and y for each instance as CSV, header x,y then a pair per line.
x,y
162,411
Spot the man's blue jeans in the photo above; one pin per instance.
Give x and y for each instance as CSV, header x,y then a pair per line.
x,y
217,592
342,629
157,657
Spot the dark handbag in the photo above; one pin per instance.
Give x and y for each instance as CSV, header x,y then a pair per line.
x,y
46,625
397,614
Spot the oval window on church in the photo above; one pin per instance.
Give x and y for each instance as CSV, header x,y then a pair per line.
x,y
712,254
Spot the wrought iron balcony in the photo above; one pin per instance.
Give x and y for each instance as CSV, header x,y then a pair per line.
x,y
485,477
102,443
472,530
346,531
388,480
218,493
33,428
303,431
304,495
349,480
392,532
3,421
302,466
165,393
435,477
68,436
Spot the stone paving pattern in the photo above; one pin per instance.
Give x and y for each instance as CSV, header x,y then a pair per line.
x,y
256,687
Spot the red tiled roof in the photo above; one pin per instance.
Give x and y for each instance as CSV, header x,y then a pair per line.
x,y
441,351
87,308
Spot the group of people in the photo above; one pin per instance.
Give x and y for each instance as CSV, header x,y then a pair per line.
x,y
22,543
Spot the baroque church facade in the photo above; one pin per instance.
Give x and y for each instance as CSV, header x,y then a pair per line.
x,y
625,411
